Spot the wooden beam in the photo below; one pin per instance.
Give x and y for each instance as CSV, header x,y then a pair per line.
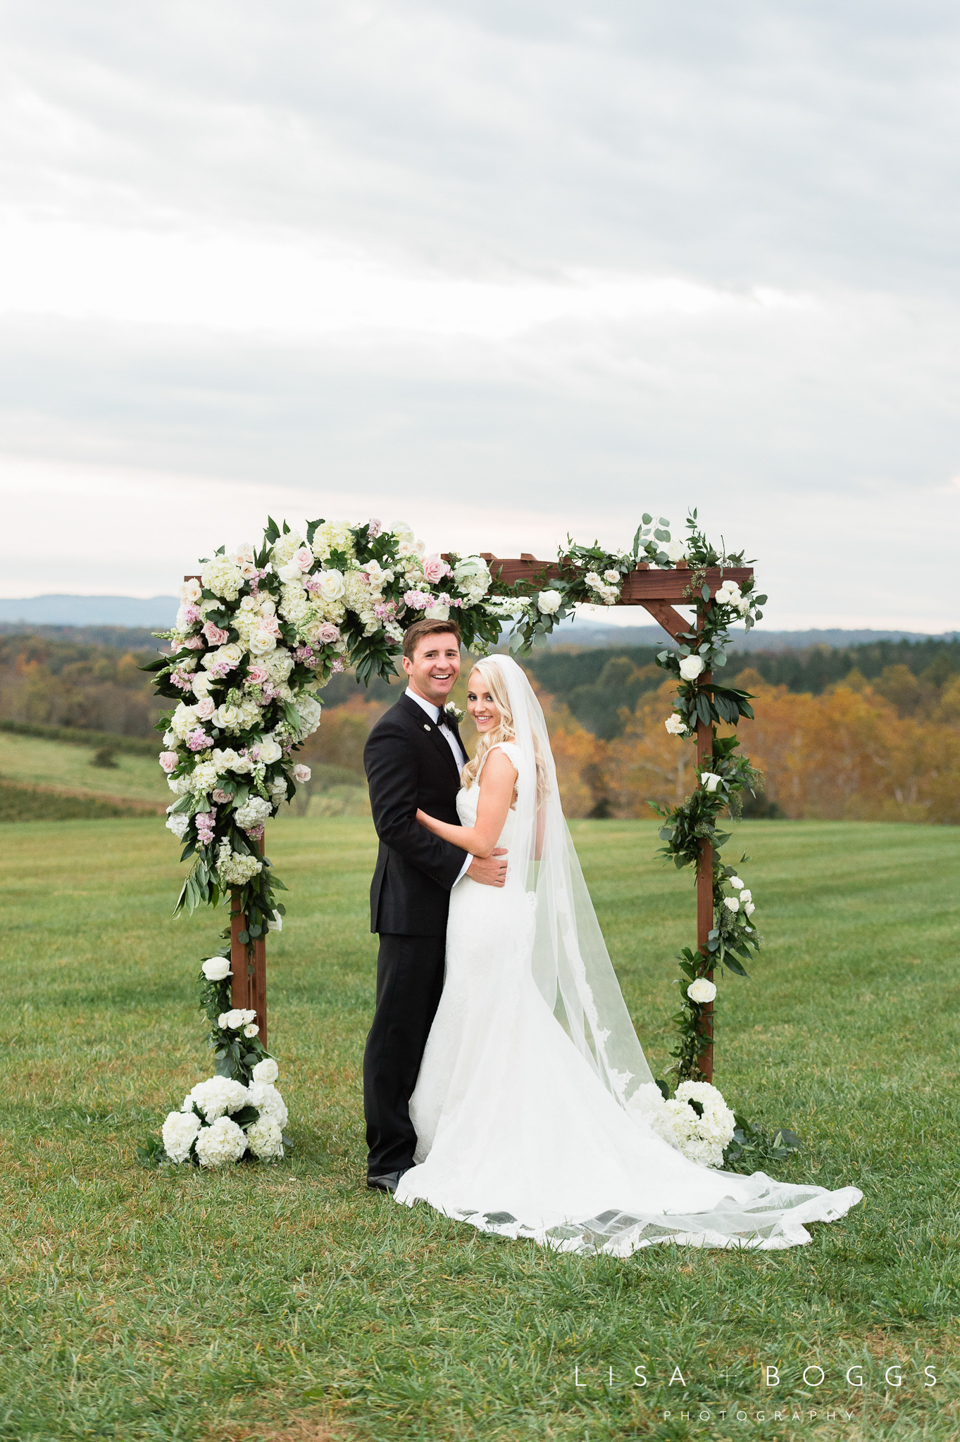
x,y
639,587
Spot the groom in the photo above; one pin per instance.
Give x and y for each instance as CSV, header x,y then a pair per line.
x,y
413,758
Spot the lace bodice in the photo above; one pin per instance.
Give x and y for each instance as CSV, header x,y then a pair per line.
x,y
468,800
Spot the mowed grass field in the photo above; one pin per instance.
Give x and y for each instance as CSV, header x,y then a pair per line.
x,y
291,1303
33,760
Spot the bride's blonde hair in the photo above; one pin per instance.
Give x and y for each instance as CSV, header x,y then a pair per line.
x,y
504,729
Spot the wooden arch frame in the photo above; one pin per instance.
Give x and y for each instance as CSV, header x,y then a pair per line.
x,y
655,591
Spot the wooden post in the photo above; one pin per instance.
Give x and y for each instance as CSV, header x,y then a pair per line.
x,y
705,882
248,962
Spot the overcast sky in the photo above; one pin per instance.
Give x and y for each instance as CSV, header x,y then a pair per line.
x,y
504,269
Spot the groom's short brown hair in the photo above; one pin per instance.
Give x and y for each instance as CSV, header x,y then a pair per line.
x,y
415,634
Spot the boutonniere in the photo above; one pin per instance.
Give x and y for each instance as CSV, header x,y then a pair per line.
x,y
454,712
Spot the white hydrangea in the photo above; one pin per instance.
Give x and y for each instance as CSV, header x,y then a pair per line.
x,y
309,711
265,1139
284,548
221,575
204,776
220,1143
268,1102
266,1070
234,868
179,1133
356,592
294,602
332,536
216,1096
255,812
278,664
179,824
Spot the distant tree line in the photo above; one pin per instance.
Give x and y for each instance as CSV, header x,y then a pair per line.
x,y
601,685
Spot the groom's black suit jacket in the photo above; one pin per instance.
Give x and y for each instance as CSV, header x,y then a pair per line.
x,y
409,764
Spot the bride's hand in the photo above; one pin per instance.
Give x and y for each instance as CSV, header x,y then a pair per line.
x,y
425,820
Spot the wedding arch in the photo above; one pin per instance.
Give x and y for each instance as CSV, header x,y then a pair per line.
x,y
260,631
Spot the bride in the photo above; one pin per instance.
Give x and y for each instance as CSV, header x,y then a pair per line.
x,y
533,1099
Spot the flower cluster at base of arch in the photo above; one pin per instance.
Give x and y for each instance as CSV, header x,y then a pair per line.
x,y
238,1113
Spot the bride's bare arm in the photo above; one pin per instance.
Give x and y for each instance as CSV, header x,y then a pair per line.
x,y
497,781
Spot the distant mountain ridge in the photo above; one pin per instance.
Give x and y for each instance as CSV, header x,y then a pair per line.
x,y
158,612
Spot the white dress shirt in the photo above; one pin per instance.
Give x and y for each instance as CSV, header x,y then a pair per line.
x,y
458,753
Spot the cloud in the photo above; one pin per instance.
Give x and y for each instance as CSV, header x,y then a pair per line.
x,y
505,268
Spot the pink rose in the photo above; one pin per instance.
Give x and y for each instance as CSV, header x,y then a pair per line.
x,y
194,643
219,796
214,635
257,675
205,707
301,774
435,569
328,633
271,625
168,760
303,558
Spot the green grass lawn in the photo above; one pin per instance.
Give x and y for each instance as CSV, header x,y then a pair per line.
x,y
290,1302
56,763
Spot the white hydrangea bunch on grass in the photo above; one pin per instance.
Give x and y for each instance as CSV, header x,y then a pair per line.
x,y
221,1120
701,1131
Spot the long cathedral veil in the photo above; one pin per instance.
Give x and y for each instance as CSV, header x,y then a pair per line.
x,y
571,965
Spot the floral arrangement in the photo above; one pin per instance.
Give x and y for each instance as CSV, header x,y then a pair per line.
x,y
238,1112
256,639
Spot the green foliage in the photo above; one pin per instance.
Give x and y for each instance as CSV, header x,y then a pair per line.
x,y
754,1147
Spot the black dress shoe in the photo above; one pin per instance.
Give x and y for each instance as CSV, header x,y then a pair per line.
x,y
387,1182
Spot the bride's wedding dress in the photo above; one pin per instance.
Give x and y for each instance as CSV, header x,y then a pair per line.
x,y
530,1115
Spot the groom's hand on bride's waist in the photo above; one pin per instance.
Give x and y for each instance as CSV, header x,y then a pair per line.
x,y
490,870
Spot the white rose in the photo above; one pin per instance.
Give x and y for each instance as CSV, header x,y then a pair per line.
x,y
190,592
701,990
435,612
275,923
612,578
290,572
201,684
266,1071
269,751
224,760
690,668
709,780
732,903
220,1143
675,725
179,1132
331,585
749,908
262,642
746,895
301,775
215,968
231,1020
676,550
226,716
549,602
251,1029
735,882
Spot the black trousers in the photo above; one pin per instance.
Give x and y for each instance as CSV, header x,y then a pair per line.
x,y
409,983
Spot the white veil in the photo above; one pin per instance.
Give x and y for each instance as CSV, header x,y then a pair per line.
x,y
571,966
